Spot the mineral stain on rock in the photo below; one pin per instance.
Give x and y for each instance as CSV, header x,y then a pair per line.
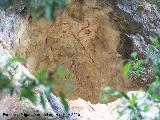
x,y
85,41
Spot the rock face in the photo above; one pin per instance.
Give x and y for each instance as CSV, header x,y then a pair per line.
x,y
138,33
14,109
84,40
11,107
144,13
90,111
9,22
91,38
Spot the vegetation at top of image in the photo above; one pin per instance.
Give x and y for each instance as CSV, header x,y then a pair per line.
x,y
37,8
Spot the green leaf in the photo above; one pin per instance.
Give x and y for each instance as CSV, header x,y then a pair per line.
x,y
117,94
127,68
134,55
146,108
5,82
156,118
137,64
133,101
41,75
13,60
61,71
48,11
107,90
48,90
104,99
63,100
42,100
125,95
27,92
158,39
16,59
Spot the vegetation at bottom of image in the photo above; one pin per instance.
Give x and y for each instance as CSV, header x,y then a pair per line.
x,y
25,88
37,8
151,97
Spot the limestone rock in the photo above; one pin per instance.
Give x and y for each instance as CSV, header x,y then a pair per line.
x,y
109,112
16,108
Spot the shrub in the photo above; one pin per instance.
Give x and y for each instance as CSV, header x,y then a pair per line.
x,y
138,109
37,8
26,86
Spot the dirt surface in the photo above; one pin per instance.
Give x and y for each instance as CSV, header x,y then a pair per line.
x,y
84,40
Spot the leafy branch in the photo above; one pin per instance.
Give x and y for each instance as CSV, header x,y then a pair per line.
x,y
37,8
25,88
151,96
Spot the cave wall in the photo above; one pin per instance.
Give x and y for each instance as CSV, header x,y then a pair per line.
x,y
84,40
91,38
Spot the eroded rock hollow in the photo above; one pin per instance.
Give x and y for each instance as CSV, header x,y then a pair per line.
x,y
90,38
85,40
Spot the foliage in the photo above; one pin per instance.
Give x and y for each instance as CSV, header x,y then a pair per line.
x,y
37,8
156,2
131,104
25,88
134,65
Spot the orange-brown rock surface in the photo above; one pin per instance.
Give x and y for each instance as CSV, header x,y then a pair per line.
x,y
82,38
